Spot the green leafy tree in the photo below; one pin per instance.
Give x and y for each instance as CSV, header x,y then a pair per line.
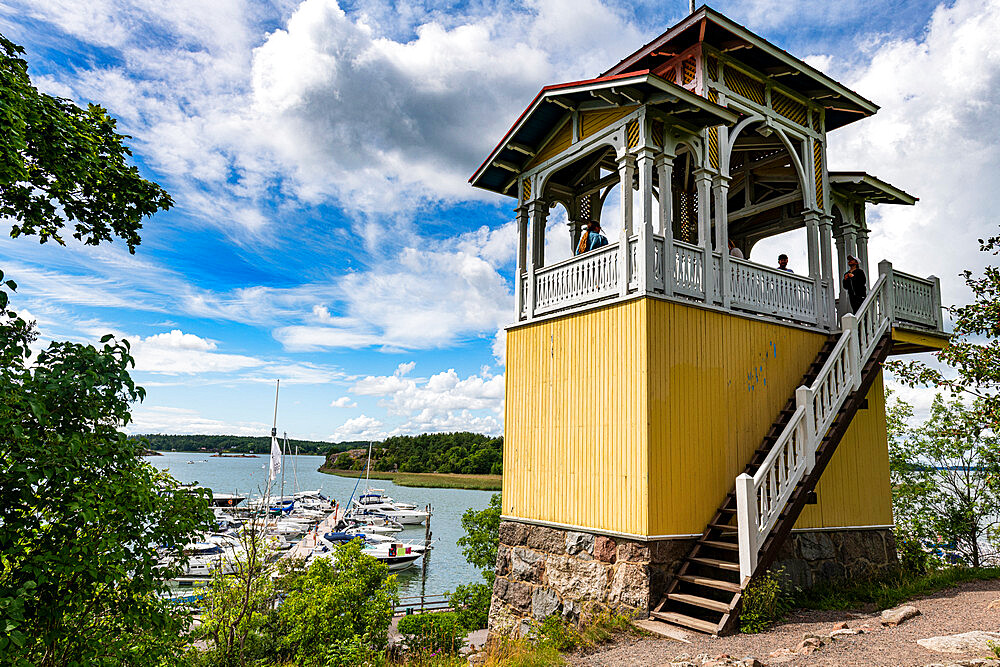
x,y
81,514
482,537
972,357
344,602
240,603
62,164
946,478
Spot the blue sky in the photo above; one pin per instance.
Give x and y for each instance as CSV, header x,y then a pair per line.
x,y
324,232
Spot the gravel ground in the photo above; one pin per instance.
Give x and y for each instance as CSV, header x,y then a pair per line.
x,y
959,609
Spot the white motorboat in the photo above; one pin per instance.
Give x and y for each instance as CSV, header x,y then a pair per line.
x,y
404,513
396,555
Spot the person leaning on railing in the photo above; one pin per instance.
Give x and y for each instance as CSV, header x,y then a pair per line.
x,y
592,238
856,283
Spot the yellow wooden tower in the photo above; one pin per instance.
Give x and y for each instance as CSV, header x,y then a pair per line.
x,y
678,417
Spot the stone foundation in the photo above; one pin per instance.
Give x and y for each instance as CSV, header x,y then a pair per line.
x,y
543,571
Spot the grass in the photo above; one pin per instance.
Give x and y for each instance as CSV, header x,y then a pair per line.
x,y
888,591
436,480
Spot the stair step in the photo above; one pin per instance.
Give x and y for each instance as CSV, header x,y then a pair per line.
x,y
710,583
698,601
721,545
686,621
715,562
723,526
728,510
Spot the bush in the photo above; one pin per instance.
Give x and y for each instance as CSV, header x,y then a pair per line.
x,y
472,604
426,633
337,602
553,631
763,603
353,652
913,558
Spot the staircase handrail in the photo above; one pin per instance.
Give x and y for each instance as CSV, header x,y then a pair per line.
x,y
761,498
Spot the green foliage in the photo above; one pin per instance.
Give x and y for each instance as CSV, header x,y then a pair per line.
x,y
60,163
462,453
764,604
343,601
237,444
913,558
994,648
433,632
482,538
240,606
352,652
80,512
887,590
506,652
973,354
946,477
561,635
472,603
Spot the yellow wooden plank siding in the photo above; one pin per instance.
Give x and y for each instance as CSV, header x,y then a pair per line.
x,y
920,339
637,417
854,489
560,141
716,384
594,121
575,438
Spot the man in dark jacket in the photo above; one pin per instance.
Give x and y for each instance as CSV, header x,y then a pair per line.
x,y
856,283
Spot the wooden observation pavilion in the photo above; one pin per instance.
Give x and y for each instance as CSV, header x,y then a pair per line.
x,y
679,419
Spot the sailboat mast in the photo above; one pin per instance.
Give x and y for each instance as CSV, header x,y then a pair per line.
x,y
274,434
284,448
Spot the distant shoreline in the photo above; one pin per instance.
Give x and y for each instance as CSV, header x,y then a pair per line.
x,y
434,480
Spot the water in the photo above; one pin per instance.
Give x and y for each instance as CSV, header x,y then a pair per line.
x,y
446,566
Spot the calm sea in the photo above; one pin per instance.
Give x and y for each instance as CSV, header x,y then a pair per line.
x,y
446,566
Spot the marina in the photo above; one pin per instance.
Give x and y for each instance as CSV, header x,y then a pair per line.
x,y
246,477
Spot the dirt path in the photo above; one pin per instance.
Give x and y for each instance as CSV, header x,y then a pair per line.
x,y
960,609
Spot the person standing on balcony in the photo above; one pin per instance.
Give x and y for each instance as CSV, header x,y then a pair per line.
x,y
856,283
592,238
734,251
783,263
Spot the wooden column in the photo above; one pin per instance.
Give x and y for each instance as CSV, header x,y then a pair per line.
x,y
626,173
826,269
538,212
665,175
522,260
811,219
720,192
644,255
703,186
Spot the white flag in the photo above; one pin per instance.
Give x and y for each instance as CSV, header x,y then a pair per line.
x,y
275,458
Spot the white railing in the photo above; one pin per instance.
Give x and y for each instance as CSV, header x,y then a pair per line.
x,y
689,270
633,263
524,295
760,499
592,275
762,289
914,299
658,263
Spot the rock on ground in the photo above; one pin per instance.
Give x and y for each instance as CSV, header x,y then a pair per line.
x,y
893,617
965,642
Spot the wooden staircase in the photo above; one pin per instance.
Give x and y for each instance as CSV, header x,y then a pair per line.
x,y
706,592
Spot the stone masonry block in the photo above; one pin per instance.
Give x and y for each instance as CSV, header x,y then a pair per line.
x,y
513,533
580,545
576,579
549,540
605,549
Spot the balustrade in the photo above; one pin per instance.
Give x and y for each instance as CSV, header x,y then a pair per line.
x,y
750,287
914,299
761,498
770,291
689,270
587,277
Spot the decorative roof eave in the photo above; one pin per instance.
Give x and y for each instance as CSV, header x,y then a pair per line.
x,y
865,186
862,106
630,88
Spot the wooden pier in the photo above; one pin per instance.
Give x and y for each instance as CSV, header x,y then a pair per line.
x,y
304,547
